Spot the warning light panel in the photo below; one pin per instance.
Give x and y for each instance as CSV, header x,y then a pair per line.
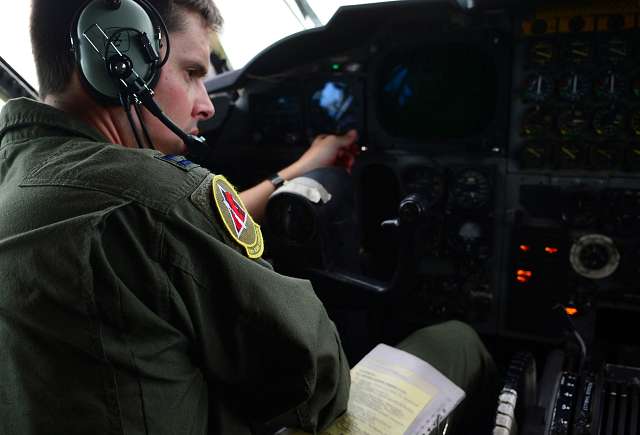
x,y
523,276
571,311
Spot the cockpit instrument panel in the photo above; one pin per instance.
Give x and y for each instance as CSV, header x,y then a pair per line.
x,y
518,125
575,73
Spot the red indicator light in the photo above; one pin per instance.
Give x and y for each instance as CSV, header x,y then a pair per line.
x,y
550,250
523,276
571,311
525,248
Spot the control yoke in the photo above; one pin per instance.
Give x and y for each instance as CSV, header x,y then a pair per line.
x,y
413,211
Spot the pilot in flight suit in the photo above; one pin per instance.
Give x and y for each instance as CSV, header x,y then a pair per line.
x,y
127,307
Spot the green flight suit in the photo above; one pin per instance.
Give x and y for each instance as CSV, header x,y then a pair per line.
x,y
127,308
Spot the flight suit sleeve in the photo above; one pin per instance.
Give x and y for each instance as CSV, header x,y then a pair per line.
x,y
264,341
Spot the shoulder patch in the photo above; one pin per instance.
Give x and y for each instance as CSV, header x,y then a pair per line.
x,y
178,161
236,218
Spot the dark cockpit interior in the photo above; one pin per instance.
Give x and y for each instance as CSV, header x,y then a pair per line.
x,y
498,183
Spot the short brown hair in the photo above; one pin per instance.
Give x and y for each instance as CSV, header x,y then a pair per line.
x,y
51,22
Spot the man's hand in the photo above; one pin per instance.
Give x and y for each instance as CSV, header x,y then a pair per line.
x,y
326,150
329,150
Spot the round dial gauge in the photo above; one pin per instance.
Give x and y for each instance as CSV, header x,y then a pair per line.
x,y
570,156
579,51
573,87
541,52
604,156
534,156
469,238
594,256
426,181
537,88
536,121
610,86
614,50
572,123
471,189
635,122
632,157
608,122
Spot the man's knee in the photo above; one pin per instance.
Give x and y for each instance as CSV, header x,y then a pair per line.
x,y
452,335
452,347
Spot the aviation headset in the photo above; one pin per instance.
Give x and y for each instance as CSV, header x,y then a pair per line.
x,y
116,44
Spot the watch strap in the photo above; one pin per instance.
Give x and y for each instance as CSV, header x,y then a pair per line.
x,y
276,180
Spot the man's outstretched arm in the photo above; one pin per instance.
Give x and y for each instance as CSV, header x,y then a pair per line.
x,y
326,150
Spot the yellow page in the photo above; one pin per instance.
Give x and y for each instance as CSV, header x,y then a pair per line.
x,y
379,404
393,393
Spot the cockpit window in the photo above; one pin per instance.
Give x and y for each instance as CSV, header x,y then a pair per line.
x,y
15,46
247,31
250,27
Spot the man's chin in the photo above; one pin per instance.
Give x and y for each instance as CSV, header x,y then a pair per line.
x,y
177,147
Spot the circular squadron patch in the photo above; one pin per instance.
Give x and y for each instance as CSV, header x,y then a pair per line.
x,y
236,218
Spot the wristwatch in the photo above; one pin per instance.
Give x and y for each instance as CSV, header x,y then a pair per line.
x,y
276,180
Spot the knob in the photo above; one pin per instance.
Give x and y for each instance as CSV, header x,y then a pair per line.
x,y
594,256
413,208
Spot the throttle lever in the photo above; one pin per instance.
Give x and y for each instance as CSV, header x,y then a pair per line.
x,y
412,209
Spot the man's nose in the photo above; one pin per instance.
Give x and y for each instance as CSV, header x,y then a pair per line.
x,y
203,107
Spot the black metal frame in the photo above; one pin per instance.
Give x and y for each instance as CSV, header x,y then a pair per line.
x,y
12,85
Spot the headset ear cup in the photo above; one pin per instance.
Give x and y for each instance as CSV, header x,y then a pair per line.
x,y
102,36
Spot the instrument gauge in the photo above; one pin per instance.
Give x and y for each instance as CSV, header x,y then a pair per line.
x,y
594,256
536,121
471,190
632,158
579,52
426,181
635,122
573,87
537,88
614,50
570,155
534,156
608,122
604,156
542,52
572,123
610,86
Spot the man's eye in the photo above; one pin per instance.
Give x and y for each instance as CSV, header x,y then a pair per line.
x,y
195,73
